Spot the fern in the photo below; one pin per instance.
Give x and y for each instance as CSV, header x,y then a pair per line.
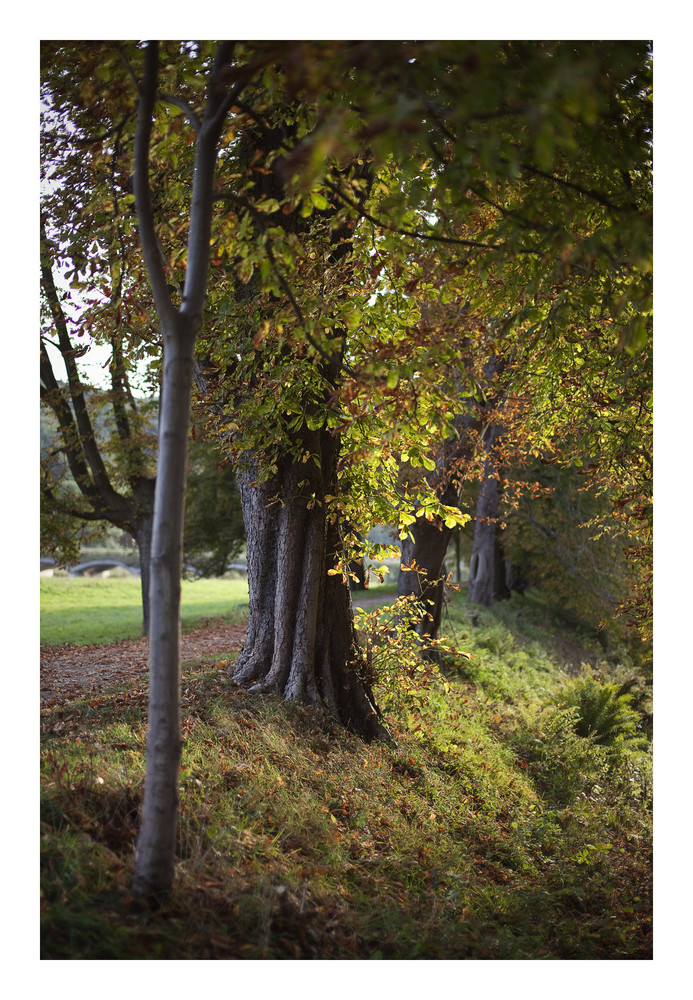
x,y
603,712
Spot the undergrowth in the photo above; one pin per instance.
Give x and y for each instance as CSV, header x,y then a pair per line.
x,y
495,828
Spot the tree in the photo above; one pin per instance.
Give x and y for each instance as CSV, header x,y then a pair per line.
x,y
562,248
292,310
462,457
130,446
539,224
180,327
91,278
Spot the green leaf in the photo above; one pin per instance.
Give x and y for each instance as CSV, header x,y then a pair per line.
x,y
268,205
318,200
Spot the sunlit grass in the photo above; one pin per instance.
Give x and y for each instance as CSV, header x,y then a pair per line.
x,y
94,610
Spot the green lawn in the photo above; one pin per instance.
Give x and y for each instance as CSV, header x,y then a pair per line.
x,y
84,611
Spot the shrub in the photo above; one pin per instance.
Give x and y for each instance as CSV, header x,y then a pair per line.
x,y
603,711
396,660
564,764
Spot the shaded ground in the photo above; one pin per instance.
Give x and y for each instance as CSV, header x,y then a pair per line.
x,y
70,671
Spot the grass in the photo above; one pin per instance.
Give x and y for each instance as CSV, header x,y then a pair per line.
x,y
86,610
491,830
92,610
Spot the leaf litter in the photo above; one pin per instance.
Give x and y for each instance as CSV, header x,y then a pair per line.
x,y
71,671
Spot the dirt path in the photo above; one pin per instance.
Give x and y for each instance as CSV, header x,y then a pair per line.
x,y
70,671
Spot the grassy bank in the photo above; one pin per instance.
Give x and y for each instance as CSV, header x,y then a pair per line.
x,y
491,830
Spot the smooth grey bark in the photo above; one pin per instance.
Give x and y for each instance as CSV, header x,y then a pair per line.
x,y
155,852
156,840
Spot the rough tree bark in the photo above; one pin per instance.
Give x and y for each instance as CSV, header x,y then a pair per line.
x,y
301,642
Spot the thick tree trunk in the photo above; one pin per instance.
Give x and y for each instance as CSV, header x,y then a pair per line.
x,y
425,580
301,641
156,840
482,566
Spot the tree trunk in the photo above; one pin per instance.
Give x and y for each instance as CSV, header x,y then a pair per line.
x,y
142,530
431,538
156,840
154,858
482,566
301,642
425,581
425,553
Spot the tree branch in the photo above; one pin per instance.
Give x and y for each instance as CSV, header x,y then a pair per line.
x,y
97,514
52,396
84,428
119,385
199,234
91,140
571,185
434,237
143,202
177,102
